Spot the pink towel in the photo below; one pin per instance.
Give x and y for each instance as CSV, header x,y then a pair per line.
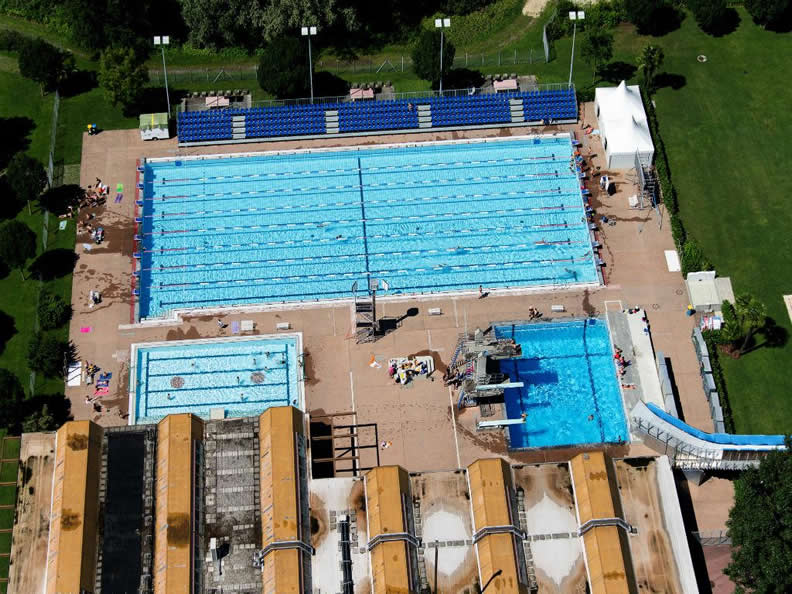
x,y
86,329
102,392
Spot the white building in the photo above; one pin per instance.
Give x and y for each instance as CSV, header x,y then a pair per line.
x,y
622,125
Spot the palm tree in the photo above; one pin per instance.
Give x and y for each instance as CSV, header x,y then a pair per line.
x,y
751,315
649,62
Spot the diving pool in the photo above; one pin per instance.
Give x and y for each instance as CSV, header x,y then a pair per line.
x,y
571,394
263,228
243,376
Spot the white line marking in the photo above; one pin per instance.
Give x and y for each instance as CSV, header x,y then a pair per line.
x,y
453,423
352,389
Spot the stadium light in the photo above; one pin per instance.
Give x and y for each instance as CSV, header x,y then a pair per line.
x,y
574,16
163,41
441,24
309,32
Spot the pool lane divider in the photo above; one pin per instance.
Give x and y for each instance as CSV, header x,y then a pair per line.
x,y
363,218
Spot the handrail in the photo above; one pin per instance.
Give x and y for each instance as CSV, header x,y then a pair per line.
x,y
392,537
503,529
594,522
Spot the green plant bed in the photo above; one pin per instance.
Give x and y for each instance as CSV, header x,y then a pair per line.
x,y
6,518
7,495
11,448
4,564
8,473
5,542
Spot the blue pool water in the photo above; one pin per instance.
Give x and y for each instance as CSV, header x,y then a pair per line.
x,y
244,230
244,377
571,393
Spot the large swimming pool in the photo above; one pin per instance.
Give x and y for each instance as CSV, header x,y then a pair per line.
x,y
571,394
239,376
304,226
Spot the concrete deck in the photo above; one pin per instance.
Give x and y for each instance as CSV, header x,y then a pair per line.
x,y
420,419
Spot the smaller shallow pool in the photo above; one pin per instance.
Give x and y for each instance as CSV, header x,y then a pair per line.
x,y
571,394
243,376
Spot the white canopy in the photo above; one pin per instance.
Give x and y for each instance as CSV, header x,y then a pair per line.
x,y
623,125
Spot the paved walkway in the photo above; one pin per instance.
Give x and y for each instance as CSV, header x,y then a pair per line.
x,y
420,419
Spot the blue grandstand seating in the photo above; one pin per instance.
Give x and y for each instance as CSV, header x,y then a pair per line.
x,y
372,116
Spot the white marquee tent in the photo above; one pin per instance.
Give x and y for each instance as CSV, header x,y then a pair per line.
x,y
623,126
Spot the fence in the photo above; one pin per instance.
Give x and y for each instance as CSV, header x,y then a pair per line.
x,y
204,75
714,538
53,133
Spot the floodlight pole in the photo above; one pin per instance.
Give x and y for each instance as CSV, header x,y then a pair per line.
x,y
442,24
163,41
574,16
308,32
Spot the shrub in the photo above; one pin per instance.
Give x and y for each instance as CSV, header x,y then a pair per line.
x,y
711,15
53,311
768,13
12,41
677,232
711,340
693,258
283,68
426,56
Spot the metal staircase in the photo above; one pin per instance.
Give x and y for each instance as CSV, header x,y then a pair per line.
x,y
366,326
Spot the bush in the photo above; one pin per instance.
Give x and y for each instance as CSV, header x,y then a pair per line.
x,y
693,258
479,25
653,17
677,232
49,354
768,13
53,311
12,41
711,340
426,56
712,16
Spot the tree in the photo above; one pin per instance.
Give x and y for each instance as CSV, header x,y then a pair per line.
x,y
40,420
711,15
283,68
53,311
122,76
44,63
693,258
426,56
49,354
730,331
760,525
649,62
597,48
768,13
11,394
17,245
27,177
751,316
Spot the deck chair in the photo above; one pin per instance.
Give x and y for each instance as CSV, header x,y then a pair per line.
x,y
235,329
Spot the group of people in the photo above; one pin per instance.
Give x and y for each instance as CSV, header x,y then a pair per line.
x,y
621,362
403,372
534,313
101,385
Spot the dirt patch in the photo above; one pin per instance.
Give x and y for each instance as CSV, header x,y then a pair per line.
x,y
178,530
319,521
533,8
77,442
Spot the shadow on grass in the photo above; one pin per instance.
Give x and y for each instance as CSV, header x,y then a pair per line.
x,y
54,264
11,206
327,84
16,132
615,72
775,336
667,79
58,407
78,82
7,329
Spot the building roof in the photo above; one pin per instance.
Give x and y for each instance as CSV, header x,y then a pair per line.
x,y
71,551
490,481
386,487
606,549
174,488
622,120
280,497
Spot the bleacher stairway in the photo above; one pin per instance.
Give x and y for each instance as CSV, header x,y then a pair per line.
x,y
517,109
424,116
331,121
238,127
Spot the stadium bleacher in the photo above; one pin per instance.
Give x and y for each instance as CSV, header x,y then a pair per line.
x,y
371,116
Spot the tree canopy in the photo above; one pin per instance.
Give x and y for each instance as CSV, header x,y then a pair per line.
x,y
49,354
760,526
122,76
426,56
769,13
283,68
44,63
597,48
711,15
17,244
26,176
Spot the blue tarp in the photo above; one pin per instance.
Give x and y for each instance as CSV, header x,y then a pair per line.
x,y
719,438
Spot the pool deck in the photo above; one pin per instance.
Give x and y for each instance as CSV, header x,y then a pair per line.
x,y
420,419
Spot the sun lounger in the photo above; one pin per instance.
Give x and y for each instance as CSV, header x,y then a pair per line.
x,y
234,327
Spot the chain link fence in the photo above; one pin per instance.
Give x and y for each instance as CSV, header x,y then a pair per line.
x,y
212,76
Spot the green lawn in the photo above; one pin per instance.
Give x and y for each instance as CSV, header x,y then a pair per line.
x,y
8,473
5,542
7,495
11,448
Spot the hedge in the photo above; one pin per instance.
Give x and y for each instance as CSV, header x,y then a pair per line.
x,y
712,341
